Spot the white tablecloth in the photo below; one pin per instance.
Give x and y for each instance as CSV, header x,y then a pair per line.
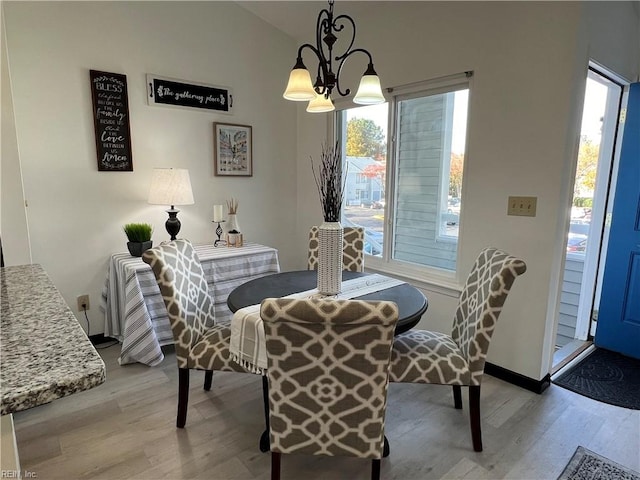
x,y
134,310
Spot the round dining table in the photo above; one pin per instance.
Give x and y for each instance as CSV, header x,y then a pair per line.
x,y
411,302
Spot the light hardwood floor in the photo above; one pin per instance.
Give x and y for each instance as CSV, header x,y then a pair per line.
x,y
125,429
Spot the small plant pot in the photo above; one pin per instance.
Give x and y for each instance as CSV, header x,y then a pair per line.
x,y
136,249
234,239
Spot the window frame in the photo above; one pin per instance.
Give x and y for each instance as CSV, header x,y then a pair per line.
x,y
386,263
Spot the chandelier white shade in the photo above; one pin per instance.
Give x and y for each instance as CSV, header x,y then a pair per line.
x,y
320,104
369,91
299,88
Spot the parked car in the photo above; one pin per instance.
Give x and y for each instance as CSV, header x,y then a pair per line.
x,y
453,205
378,204
576,243
579,228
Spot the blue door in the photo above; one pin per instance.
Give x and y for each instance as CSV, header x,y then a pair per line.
x,y
619,312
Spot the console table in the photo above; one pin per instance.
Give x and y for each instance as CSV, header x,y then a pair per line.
x,y
134,310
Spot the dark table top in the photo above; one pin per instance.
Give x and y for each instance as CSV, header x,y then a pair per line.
x,y
411,302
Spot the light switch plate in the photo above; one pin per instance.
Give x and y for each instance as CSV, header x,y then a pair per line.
x,y
522,206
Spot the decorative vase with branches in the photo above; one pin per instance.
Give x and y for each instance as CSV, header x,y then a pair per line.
x,y
328,177
329,180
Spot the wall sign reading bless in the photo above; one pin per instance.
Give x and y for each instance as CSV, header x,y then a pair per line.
x,y
176,93
111,121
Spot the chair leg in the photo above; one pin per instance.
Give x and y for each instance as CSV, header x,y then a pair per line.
x,y
275,465
375,469
474,415
265,439
208,379
183,396
457,397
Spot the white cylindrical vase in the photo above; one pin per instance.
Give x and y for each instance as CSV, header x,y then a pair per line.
x,y
330,258
232,224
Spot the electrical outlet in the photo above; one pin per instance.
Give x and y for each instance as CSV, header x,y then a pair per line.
x,y
83,300
522,206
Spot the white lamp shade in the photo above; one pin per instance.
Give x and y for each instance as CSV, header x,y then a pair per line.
x,y
369,91
170,186
299,88
320,104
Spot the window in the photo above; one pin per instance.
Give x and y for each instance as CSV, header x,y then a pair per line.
x,y
412,215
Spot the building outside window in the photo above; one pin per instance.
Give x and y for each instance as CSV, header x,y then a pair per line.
x,y
414,220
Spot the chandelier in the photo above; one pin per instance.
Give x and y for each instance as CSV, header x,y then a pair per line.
x,y
318,94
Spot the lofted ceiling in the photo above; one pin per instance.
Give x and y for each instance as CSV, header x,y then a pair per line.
x,y
298,18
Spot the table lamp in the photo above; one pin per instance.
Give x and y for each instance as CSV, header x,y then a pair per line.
x,y
171,186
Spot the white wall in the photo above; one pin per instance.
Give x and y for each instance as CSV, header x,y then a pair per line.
x,y
76,213
529,61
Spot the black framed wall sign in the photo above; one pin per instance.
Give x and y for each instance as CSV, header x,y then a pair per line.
x,y
111,121
170,92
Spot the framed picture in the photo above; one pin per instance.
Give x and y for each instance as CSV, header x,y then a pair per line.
x,y
232,150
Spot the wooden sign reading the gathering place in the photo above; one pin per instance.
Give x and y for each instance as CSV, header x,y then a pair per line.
x,y
111,120
176,93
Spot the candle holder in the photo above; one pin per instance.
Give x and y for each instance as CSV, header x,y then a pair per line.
x,y
219,234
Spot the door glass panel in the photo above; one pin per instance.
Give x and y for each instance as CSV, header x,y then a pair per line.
x,y
595,103
586,227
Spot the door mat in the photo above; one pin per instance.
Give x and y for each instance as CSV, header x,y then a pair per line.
x,y
587,465
605,376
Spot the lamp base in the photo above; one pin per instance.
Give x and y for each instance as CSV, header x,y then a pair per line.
x,y
173,224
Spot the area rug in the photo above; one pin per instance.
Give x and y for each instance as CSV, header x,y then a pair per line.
x,y
605,376
587,465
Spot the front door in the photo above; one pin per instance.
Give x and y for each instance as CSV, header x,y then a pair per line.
x,y
619,313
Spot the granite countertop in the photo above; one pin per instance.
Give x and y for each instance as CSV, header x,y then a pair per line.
x,y
44,354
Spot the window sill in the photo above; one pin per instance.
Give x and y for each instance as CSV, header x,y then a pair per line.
x,y
426,279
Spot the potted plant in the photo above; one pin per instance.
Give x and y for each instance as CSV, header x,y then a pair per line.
x,y
139,236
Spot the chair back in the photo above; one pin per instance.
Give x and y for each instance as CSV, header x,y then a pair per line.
x,y
328,369
185,292
352,249
480,304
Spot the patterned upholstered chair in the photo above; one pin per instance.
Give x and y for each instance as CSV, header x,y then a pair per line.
x,y
352,249
421,356
200,343
328,370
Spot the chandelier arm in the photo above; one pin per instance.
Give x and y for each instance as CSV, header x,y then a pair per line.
x,y
342,59
339,28
317,52
322,71
323,25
